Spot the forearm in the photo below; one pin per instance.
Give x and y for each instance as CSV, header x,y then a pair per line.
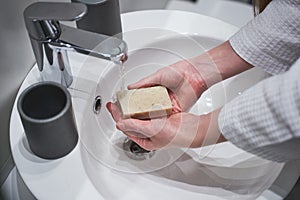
x,y
218,64
227,61
208,130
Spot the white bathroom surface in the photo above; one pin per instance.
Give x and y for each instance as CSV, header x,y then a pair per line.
x,y
98,168
233,12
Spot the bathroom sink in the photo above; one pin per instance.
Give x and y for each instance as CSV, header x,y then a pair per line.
x,y
98,168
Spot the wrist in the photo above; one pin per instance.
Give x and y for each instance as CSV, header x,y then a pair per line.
x,y
228,62
218,64
208,130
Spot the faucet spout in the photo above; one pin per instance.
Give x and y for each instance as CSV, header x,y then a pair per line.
x,y
90,43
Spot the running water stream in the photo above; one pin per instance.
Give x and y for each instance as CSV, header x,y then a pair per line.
x,y
132,149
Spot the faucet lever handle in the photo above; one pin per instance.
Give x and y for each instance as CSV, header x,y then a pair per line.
x,y
55,11
42,17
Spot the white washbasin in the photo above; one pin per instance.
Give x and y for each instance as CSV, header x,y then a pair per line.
x,y
98,168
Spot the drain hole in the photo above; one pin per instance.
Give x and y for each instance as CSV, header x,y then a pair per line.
x,y
135,148
135,152
97,105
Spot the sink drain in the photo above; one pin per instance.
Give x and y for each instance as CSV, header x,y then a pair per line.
x,y
135,152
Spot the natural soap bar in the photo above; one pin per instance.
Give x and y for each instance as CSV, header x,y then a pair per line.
x,y
145,103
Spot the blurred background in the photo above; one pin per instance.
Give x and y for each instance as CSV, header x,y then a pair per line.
x,y
16,59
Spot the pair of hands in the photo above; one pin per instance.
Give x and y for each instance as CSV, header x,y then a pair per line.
x,y
180,129
186,80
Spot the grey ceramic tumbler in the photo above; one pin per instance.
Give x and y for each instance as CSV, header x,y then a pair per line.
x,y
47,116
103,16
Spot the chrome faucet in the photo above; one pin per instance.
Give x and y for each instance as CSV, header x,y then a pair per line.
x,y
51,40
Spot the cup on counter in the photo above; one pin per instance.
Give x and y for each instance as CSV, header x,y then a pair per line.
x,y
47,116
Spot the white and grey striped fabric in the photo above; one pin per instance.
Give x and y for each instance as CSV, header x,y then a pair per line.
x,y
265,119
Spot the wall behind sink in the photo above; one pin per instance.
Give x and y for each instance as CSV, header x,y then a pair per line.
x,y
16,59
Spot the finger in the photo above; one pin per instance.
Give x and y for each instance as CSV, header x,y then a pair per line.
x,y
175,103
135,125
151,80
114,111
145,143
134,134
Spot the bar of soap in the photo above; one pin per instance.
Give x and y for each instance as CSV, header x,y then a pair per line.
x,y
145,103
